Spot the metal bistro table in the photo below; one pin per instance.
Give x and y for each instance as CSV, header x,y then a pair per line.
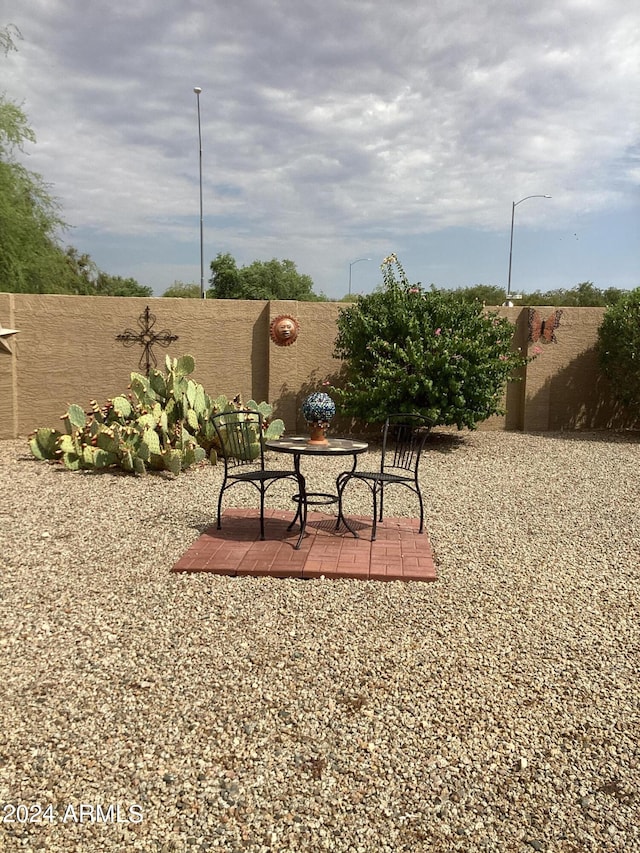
x,y
298,446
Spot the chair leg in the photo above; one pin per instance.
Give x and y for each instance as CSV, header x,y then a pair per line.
x,y
375,512
421,510
340,489
298,514
262,512
381,500
304,506
302,489
219,525
341,482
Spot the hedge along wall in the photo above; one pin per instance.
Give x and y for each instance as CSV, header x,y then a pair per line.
x,y
66,352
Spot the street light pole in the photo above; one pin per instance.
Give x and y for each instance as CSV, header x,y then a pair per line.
x,y
513,214
350,265
197,91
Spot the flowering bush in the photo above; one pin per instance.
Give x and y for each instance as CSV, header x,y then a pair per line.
x,y
427,352
619,349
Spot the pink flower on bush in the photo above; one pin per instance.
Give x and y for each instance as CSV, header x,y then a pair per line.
x,y
438,331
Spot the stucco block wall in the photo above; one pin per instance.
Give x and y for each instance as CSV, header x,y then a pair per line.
x,y
8,379
565,388
66,352
297,370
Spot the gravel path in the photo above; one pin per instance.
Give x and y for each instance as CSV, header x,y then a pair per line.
x,y
494,710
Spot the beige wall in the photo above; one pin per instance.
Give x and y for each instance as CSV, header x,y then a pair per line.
x,y
66,352
565,388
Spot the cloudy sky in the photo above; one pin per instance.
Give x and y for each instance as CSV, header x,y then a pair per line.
x,y
340,130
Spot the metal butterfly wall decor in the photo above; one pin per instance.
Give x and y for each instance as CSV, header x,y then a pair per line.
x,y
543,330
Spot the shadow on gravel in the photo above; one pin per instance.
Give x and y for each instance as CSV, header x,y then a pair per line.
x,y
445,442
437,442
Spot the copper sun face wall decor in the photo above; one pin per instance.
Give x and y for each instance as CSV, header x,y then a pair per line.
x,y
284,330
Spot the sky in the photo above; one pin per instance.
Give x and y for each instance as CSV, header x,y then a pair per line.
x,y
336,132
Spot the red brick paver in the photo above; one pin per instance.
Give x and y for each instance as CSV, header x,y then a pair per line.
x,y
399,552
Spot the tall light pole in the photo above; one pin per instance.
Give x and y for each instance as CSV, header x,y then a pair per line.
x,y
513,214
197,90
350,265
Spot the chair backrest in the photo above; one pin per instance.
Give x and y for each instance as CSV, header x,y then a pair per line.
x,y
239,435
403,439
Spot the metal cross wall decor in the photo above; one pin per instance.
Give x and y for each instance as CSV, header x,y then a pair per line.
x,y
147,338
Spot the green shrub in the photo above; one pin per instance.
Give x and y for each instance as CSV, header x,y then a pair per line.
x,y
619,349
163,423
427,352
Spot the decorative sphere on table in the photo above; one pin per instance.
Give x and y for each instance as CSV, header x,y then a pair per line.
x,y
318,409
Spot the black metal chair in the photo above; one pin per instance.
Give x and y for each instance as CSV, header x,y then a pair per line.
x,y
403,439
241,445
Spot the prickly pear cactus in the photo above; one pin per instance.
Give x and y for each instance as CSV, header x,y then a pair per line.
x,y
44,443
163,423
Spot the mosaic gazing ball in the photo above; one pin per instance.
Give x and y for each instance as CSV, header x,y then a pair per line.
x,y
318,408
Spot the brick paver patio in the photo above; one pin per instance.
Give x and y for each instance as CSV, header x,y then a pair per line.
x,y
399,552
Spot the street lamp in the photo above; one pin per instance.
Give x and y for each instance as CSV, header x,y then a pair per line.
x,y
513,213
350,265
197,91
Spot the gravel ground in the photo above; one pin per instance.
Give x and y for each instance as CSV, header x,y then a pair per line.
x,y
494,710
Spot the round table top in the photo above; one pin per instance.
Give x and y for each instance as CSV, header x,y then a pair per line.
x,y
299,444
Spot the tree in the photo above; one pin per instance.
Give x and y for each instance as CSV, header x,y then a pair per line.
x,y
583,295
182,290
619,349
587,295
116,285
426,352
613,296
31,257
225,278
272,279
7,35
28,214
277,280
86,279
486,294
